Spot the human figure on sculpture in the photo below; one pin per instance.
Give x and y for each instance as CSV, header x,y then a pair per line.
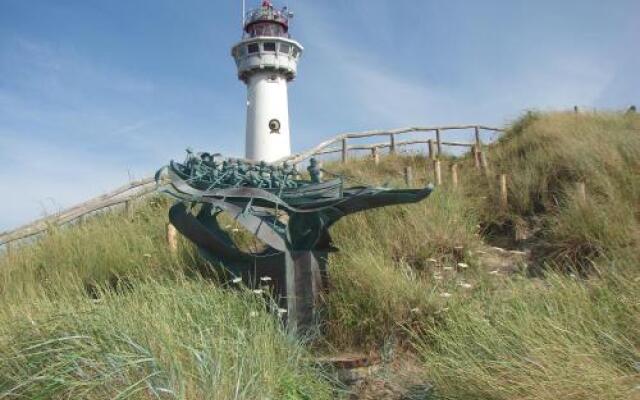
x,y
315,173
265,175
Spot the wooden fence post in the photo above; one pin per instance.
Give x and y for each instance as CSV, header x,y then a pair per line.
x,y
438,143
128,209
476,130
431,149
454,175
476,156
582,192
408,176
344,150
375,155
172,238
392,142
504,200
437,172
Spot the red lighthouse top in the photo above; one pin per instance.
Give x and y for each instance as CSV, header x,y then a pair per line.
x,y
267,21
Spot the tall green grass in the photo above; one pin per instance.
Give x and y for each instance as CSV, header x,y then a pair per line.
x,y
104,310
560,338
386,272
545,156
183,340
572,332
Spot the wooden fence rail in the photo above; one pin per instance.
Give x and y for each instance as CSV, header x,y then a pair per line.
x,y
121,196
124,195
328,146
344,150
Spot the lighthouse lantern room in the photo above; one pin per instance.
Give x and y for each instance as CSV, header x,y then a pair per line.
x,y
267,59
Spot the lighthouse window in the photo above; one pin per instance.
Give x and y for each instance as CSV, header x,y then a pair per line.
x,y
239,51
295,52
269,46
285,48
253,48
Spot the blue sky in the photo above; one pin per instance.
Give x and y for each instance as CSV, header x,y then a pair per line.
x,y
95,92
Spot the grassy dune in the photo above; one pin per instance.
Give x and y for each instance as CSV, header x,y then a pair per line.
x,y
103,310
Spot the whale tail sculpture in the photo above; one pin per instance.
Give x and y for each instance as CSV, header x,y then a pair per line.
x,y
291,216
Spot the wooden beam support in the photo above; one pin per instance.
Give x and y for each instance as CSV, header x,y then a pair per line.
x,y
375,154
476,156
437,172
172,238
438,143
504,199
581,188
392,143
454,175
128,209
344,150
431,149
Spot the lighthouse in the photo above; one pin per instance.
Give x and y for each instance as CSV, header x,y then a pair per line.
x,y
267,60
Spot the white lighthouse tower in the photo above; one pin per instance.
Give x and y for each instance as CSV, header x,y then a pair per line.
x,y
267,59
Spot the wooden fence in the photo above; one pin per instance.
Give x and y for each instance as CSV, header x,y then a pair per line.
x,y
124,196
431,138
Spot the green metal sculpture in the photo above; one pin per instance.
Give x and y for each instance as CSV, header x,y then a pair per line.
x,y
291,216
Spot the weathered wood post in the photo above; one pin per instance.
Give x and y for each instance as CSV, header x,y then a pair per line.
x,y
375,155
478,153
408,176
438,143
392,143
437,172
344,150
431,149
128,209
504,200
576,109
581,187
454,175
476,156
172,238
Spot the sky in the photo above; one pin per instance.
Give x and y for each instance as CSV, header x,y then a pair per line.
x,y
94,93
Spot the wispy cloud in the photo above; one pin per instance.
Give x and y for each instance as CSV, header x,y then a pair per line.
x,y
43,177
368,80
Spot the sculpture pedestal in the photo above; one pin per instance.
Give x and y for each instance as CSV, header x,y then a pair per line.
x,y
303,280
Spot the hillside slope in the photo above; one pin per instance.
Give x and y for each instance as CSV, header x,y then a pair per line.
x,y
103,309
